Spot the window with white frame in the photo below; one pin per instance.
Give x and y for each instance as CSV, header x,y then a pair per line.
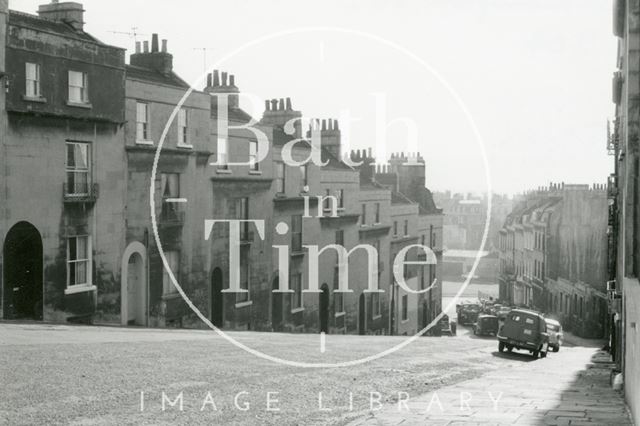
x,y
32,73
78,261
142,122
280,177
173,261
296,296
254,164
340,197
170,190
183,127
78,87
223,153
78,168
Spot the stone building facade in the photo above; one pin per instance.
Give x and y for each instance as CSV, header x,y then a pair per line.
x,y
63,185
84,190
553,256
623,190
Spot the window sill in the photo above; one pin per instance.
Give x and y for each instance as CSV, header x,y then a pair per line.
x,y
244,304
223,171
296,310
404,321
79,105
339,314
80,288
255,172
38,99
144,142
376,317
184,146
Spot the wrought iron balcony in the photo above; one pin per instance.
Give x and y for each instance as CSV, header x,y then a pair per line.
x,y
80,192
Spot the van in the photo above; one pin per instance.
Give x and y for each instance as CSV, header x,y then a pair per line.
x,y
525,330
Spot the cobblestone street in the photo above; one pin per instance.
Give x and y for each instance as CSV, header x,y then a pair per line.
x,y
567,388
95,375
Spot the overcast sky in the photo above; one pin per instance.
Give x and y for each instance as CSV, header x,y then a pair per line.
x,y
535,75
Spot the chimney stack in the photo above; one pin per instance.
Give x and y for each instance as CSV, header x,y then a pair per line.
x,y
222,83
70,13
154,43
156,60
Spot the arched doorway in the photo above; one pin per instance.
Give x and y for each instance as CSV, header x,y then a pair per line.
x,y
136,291
22,283
133,287
276,306
362,315
323,308
217,299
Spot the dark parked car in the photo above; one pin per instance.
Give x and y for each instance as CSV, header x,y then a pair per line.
x,y
524,329
468,314
486,325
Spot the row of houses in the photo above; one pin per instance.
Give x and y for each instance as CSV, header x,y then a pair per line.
x,y
553,256
623,138
80,129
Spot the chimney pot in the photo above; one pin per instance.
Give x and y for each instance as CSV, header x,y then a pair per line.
x,y
146,46
216,78
224,78
274,104
324,124
266,105
164,45
154,42
288,104
209,80
138,47
232,80
281,107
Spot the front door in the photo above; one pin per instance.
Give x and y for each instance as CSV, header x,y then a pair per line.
x,y
362,318
136,291
23,284
276,306
323,307
217,301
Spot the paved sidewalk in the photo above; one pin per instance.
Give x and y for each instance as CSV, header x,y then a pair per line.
x,y
567,388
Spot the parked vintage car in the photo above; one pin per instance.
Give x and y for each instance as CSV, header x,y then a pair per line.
x,y
445,326
486,325
502,312
556,336
468,314
524,329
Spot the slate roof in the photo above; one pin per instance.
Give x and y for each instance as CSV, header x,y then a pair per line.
x,y
60,28
154,76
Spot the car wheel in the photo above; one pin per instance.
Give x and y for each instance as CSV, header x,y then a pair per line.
x,y
535,354
501,347
543,354
556,348
510,348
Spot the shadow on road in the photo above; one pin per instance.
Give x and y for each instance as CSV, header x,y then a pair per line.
x,y
589,398
514,356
